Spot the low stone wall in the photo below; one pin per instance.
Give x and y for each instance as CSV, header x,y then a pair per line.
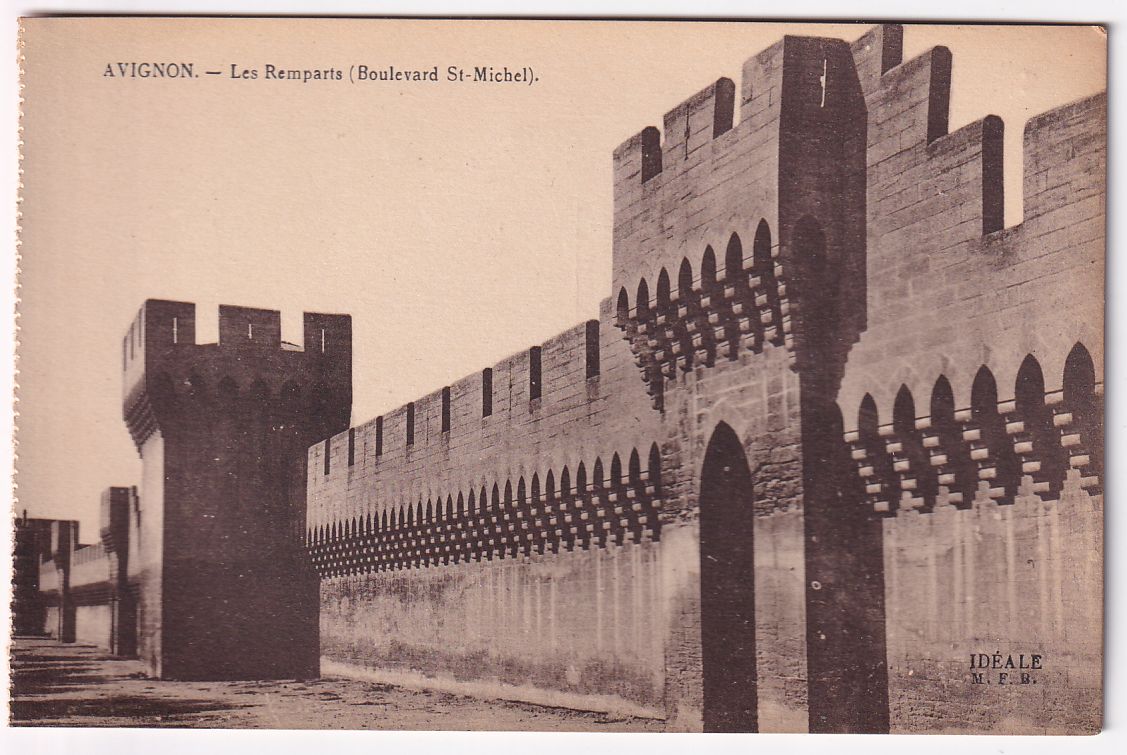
x,y
576,629
93,625
51,623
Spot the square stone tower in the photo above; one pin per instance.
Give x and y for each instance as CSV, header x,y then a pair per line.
x,y
225,590
740,283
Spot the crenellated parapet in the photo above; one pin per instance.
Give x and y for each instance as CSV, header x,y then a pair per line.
x,y
940,264
1009,360
983,344
222,429
737,234
167,373
561,427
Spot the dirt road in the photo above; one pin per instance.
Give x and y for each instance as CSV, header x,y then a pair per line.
x,y
79,685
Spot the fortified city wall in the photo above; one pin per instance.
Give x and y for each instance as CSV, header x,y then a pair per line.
x,y
793,263
835,437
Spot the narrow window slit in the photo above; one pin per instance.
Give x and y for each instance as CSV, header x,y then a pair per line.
x,y
486,392
822,82
411,423
534,374
446,409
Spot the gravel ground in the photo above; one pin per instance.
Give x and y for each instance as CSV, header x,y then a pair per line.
x,y
79,685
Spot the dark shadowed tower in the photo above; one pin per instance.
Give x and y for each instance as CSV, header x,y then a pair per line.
x,y
225,588
764,218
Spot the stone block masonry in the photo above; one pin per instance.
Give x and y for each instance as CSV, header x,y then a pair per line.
x,y
226,590
789,478
571,630
1016,581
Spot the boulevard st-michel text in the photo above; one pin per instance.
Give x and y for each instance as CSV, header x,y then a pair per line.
x,y
365,73
357,73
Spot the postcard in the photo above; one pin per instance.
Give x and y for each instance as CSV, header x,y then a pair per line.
x,y
560,376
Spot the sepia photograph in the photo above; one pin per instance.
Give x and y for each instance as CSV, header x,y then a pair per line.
x,y
560,376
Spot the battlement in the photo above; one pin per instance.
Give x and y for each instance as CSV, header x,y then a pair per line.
x,y
529,384
856,139
918,169
747,217
64,540
160,357
876,52
809,108
806,72
115,513
937,208
162,324
550,406
1065,153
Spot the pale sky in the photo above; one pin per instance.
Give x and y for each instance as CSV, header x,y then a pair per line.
x,y
455,225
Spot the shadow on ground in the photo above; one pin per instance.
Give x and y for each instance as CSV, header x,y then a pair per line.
x,y
77,688
128,708
57,684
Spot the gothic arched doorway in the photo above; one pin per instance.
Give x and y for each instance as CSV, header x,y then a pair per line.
x,y
727,586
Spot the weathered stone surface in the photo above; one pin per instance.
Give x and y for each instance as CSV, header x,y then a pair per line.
x,y
815,274
772,268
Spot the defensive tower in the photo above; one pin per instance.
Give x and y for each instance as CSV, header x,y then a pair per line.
x,y
739,270
119,506
225,590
